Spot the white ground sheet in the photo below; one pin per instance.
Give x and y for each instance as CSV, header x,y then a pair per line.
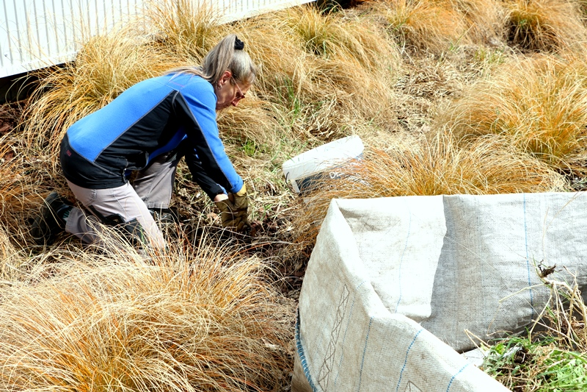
x,y
395,286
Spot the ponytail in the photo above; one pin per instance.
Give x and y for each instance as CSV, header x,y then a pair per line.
x,y
227,55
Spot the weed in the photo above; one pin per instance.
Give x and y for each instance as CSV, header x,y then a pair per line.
x,y
551,357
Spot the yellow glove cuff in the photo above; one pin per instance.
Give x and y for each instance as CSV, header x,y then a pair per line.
x,y
243,191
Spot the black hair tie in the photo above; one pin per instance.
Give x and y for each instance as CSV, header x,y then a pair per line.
x,y
238,44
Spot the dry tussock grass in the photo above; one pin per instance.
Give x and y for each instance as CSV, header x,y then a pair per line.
x,y
284,84
326,34
582,6
252,120
319,68
539,104
353,67
423,24
17,267
10,257
280,56
438,25
484,20
184,29
21,177
194,319
544,25
436,166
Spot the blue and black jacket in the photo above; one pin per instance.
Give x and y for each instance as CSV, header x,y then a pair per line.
x,y
152,117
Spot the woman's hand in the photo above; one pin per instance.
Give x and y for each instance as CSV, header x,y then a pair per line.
x,y
234,209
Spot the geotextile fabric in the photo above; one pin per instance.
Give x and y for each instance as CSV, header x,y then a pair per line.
x,y
396,287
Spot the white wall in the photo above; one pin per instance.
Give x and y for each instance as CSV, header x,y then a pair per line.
x,y
39,33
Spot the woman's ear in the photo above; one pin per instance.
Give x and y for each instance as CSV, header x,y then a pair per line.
x,y
225,77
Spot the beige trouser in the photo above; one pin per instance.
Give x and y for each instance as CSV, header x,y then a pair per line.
x,y
152,189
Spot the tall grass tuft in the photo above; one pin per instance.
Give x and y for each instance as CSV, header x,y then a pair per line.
x,y
250,122
582,6
184,29
544,25
282,59
423,24
436,166
484,20
193,319
538,104
344,74
104,67
10,259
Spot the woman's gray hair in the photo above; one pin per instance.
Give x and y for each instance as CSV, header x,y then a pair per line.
x,y
227,55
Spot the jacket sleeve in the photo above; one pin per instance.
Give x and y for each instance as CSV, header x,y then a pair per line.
x,y
195,104
208,185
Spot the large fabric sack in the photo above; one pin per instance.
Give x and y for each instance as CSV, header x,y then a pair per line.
x,y
396,285
487,280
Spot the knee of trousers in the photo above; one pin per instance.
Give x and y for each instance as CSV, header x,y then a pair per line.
x,y
131,230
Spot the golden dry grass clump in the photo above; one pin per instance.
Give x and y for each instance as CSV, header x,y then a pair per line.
x,y
21,177
323,69
544,25
9,191
484,20
582,6
423,24
538,104
16,264
262,123
438,25
193,320
11,260
184,29
251,124
436,166
6,248
281,58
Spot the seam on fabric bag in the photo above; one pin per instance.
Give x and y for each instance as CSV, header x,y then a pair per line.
x,y
302,355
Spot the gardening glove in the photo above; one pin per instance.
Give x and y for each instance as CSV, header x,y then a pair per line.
x,y
234,210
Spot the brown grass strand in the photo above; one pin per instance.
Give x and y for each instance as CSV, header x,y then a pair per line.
x,y
484,20
348,72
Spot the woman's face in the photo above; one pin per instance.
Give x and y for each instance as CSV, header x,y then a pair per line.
x,y
229,91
